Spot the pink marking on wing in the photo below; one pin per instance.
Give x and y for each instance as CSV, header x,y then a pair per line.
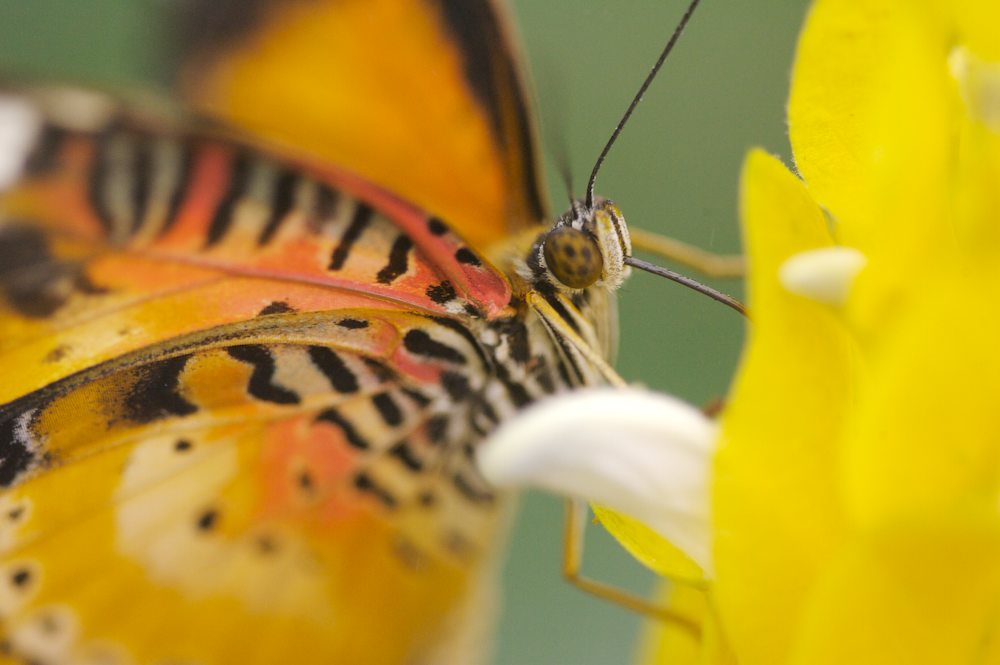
x,y
420,370
208,181
297,447
70,198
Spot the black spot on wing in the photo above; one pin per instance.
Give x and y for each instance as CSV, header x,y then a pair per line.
x,y
34,283
327,200
44,157
415,396
398,260
461,330
261,383
364,482
487,410
359,222
207,520
332,366
156,393
456,385
437,428
335,418
517,341
352,324
20,577
185,168
564,373
404,454
419,342
142,177
16,455
441,293
436,226
281,205
543,375
57,354
305,481
276,307
225,210
97,182
467,256
388,409
517,393
379,369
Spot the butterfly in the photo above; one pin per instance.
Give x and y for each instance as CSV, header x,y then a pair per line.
x,y
250,347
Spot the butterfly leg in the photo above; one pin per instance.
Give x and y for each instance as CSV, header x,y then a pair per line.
x,y
573,539
707,263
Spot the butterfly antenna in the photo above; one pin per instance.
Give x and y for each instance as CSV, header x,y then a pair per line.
x,y
692,284
638,97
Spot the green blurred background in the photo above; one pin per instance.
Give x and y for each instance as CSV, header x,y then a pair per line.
x,y
675,170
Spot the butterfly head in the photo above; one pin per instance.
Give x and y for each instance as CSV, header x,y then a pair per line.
x,y
586,246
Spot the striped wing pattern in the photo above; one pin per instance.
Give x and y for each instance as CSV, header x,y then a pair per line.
x,y
241,403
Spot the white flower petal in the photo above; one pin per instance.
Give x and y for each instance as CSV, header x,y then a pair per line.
x,y
20,123
640,453
824,275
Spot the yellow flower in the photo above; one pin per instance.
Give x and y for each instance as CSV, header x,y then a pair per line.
x,y
853,487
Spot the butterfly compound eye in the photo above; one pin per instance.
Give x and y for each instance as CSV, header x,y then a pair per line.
x,y
573,257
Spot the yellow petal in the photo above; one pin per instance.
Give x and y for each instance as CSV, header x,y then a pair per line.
x,y
650,548
914,594
978,22
926,434
871,118
775,502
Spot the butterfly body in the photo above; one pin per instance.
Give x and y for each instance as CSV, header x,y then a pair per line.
x,y
244,395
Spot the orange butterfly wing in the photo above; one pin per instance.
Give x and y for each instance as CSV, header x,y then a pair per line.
x,y
234,436
422,97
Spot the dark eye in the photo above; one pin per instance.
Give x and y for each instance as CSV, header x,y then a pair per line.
x,y
573,257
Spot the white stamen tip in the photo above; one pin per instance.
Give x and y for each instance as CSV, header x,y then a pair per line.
x,y
19,126
824,275
643,454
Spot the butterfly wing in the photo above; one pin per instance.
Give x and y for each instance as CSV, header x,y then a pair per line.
x,y
420,96
162,294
